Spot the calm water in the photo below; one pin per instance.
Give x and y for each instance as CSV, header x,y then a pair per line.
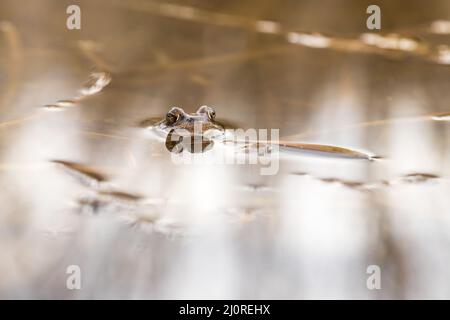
x,y
140,226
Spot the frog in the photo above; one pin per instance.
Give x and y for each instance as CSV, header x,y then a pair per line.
x,y
200,131
194,132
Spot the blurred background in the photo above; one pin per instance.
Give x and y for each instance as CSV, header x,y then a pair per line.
x,y
156,230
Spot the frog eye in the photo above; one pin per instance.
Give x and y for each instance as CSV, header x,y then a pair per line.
x,y
211,114
171,118
208,110
173,115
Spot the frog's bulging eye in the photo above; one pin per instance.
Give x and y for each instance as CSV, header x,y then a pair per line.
x,y
212,114
171,118
209,112
173,115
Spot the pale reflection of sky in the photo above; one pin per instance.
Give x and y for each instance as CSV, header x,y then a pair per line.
x,y
218,235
